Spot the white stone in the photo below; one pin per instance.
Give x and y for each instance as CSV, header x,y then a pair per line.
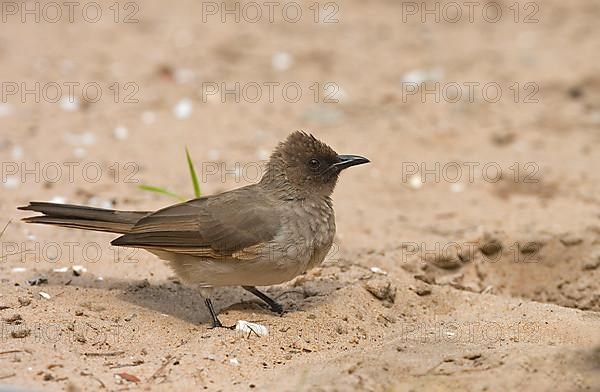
x,y
247,328
69,104
415,182
282,61
44,295
11,182
121,133
59,200
377,270
148,117
457,187
17,152
183,109
5,109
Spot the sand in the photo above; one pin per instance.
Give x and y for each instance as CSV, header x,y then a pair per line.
x,y
479,213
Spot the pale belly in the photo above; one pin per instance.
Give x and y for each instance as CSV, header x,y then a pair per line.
x,y
306,248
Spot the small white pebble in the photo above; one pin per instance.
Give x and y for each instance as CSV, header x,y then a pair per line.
x,y
419,76
44,295
81,139
69,104
234,361
247,328
63,269
59,200
67,66
210,357
214,155
183,109
377,270
335,94
184,76
415,76
263,155
148,117
79,152
99,202
99,279
79,269
18,269
5,109
11,182
121,133
415,182
595,117
457,187
17,152
282,61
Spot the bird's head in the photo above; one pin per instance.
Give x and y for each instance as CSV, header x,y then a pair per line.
x,y
307,166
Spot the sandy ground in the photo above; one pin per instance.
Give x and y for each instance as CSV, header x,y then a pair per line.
x,y
486,279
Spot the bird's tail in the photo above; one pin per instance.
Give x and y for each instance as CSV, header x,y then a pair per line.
x,y
82,217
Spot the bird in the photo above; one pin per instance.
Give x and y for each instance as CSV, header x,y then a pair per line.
x,y
261,234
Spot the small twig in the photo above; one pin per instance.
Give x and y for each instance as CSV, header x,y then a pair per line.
x,y
5,227
108,354
101,342
8,376
12,351
2,233
88,374
15,254
122,365
251,330
162,367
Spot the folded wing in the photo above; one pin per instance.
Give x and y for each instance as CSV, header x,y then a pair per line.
x,y
235,224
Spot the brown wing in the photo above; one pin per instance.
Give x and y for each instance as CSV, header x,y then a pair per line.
x,y
232,224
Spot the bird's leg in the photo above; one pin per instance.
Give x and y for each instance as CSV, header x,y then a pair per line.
x,y
216,323
273,305
206,293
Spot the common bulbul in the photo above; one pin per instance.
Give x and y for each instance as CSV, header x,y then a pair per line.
x,y
258,235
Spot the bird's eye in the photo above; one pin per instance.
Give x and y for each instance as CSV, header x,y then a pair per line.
x,y
314,163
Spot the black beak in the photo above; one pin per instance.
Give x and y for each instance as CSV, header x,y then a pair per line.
x,y
346,161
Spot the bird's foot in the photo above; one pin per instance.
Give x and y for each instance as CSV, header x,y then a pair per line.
x,y
218,324
274,306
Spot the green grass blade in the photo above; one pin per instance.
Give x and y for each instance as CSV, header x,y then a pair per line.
x,y
161,191
1,234
5,227
193,173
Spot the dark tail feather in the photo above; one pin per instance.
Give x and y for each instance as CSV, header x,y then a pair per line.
x,y
82,217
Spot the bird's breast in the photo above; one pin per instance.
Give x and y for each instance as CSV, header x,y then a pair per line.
x,y
310,229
